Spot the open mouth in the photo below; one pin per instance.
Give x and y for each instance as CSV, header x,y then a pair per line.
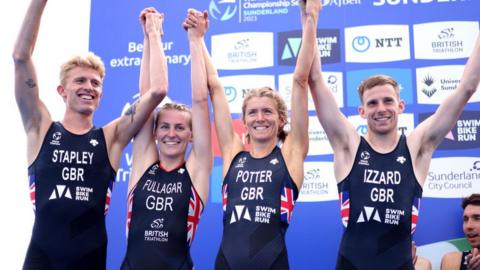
x,y
170,142
382,118
260,128
472,235
86,96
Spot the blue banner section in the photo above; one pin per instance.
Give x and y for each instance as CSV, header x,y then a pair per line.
x,y
357,38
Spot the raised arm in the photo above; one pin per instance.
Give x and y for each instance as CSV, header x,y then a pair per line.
x,y
341,134
121,130
144,148
428,134
35,116
295,147
200,160
229,142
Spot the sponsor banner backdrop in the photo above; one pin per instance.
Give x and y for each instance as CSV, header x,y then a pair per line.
x,y
453,177
318,183
255,43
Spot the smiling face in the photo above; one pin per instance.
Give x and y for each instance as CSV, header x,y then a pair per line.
x,y
471,224
262,119
381,107
173,133
81,90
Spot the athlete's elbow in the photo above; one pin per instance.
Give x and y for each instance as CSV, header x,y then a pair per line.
x,y
158,93
20,57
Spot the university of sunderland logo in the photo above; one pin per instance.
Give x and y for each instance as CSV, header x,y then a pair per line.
x,y
369,213
428,90
240,212
60,191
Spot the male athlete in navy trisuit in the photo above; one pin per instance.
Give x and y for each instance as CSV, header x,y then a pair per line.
x,y
261,185
72,163
380,175
469,259
167,188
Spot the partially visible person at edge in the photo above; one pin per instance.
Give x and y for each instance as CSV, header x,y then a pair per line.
x,y
72,164
420,263
380,175
469,259
165,191
267,178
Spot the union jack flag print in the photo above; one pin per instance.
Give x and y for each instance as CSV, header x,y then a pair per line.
x,y
107,198
224,197
195,209
415,212
286,204
31,180
344,207
129,208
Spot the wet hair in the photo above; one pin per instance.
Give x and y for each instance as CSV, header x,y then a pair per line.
x,y
88,60
173,106
377,80
277,99
473,199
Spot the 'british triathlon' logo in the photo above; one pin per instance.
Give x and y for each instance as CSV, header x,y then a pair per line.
x,y
222,10
157,223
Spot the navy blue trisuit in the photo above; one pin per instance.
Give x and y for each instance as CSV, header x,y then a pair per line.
x,y
380,200
258,199
70,185
163,215
463,263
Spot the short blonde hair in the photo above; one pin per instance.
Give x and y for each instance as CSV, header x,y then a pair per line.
x,y
89,60
174,106
377,80
277,99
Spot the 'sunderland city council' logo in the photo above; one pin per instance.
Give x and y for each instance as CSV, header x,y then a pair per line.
x,y
452,177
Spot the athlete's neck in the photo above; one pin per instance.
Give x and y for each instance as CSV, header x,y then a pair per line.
x,y
77,123
171,163
262,149
383,143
